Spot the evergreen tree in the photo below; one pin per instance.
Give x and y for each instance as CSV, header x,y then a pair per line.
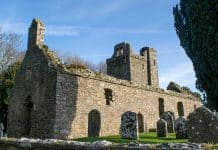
x,y
196,24
7,79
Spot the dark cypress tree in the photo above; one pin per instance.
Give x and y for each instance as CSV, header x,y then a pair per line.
x,y
196,24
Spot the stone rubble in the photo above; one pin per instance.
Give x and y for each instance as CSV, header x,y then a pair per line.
x,y
25,143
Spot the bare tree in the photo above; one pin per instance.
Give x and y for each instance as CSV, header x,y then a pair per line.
x,y
102,67
9,49
78,62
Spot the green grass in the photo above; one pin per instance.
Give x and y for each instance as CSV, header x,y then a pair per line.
x,y
149,137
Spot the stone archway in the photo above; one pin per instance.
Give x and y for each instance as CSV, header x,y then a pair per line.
x,y
94,123
28,106
140,122
161,106
180,109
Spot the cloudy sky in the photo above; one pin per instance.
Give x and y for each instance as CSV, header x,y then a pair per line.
x,y
90,29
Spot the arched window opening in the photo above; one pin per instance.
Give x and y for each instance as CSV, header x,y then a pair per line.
x,y
108,96
140,122
94,123
180,109
28,107
161,106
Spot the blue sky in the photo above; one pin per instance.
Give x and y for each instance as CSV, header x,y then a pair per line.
x,y
90,29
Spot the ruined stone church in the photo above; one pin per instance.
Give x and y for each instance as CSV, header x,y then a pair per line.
x,y
49,98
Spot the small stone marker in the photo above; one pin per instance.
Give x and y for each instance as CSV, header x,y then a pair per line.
x,y
1,130
169,118
202,126
181,128
129,125
64,134
161,128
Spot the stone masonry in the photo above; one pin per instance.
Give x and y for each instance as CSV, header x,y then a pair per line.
x,y
48,99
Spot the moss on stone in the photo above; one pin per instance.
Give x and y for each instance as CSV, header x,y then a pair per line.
x,y
51,54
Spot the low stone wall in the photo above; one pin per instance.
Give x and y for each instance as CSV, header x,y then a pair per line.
x,y
53,144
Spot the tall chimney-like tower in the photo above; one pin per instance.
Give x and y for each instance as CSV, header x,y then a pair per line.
x,y
36,34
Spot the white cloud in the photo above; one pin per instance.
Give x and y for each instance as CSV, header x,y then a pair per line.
x,y
68,30
87,9
22,28
182,74
133,31
61,30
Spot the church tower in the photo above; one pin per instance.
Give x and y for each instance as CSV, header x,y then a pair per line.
x,y
152,68
126,65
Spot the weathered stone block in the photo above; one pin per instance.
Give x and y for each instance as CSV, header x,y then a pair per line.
x,y
129,125
202,126
181,128
161,128
170,119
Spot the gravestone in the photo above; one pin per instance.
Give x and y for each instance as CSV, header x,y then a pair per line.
x,y
129,125
202,126
1,130
181,128
161,128
64,134
169,118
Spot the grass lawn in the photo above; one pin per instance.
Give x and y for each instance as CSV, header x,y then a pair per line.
x,y
149,137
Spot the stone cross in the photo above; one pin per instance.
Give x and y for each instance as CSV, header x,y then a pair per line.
x,y
129,125
169,118
181,128
161,128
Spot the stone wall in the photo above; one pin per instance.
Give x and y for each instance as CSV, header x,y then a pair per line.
x,y
36,33
51,144
125,98
66,103
153,79
139,69
119,64
35,82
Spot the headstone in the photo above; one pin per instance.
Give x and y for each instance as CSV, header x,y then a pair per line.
x,y
1,130
169,118
181,128
202,126
129,125
64,134
161,128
